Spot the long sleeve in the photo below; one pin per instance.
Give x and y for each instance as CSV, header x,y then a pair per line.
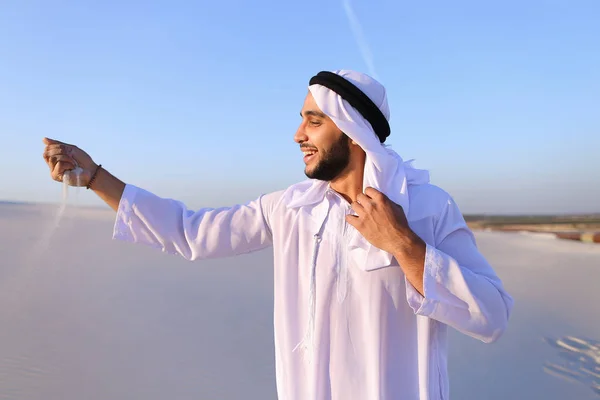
x,y
461,288
166,224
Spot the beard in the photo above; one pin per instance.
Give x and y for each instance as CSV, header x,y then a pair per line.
x,y
332,162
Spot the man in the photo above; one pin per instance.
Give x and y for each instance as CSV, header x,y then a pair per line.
x,y
372,263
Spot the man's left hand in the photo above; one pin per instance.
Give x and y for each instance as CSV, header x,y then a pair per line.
x,y
382,222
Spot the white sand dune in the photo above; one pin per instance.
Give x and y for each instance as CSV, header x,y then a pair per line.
x,y
85,317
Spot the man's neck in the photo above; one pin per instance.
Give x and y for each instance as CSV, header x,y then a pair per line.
x,y
350,182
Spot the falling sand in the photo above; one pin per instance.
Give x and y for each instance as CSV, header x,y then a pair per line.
x,y
15,286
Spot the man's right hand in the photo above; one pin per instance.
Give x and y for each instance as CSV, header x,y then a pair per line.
x,y
62,157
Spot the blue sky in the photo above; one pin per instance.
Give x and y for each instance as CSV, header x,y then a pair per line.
x,y
199,100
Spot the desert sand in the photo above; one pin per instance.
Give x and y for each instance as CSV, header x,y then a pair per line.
x,y
86,317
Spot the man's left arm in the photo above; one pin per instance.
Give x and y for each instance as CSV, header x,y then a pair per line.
x,y
450,281
457,284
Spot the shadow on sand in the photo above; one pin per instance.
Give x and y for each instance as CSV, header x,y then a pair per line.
x,y
580,361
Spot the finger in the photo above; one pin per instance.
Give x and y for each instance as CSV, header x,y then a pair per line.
x,y
59,170
353,220
365,201
62,158
358,208
363,195
55,173
65,147
52,160
48,141
375,194
57,149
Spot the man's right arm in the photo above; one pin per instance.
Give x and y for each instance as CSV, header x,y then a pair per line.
x,y
143,217
168,225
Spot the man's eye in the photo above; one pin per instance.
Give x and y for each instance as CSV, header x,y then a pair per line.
x,y
315,123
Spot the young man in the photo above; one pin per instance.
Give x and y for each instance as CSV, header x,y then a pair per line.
x,y
372,263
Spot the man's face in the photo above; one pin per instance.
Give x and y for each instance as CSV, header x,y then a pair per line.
x,y
326,147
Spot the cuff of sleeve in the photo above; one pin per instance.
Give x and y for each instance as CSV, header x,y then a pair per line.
x,y
122,229
425,305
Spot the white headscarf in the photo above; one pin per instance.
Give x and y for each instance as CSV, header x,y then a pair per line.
x,y
384,168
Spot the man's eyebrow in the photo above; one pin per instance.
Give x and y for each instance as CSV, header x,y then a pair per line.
x,y
313,113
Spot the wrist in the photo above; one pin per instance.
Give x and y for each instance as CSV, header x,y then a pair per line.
x,y
93,178
409,245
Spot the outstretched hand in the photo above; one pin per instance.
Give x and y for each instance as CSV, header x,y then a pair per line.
x,y
62,157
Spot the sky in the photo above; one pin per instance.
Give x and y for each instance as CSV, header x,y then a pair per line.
x,y
199,100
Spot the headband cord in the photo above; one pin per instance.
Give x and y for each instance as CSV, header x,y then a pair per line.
x,y
357,99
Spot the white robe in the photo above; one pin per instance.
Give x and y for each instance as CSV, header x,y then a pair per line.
x,y
375,336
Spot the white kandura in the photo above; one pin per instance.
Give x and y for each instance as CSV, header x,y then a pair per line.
x,y
348,324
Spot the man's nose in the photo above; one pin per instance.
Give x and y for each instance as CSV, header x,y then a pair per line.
x,y
300,135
